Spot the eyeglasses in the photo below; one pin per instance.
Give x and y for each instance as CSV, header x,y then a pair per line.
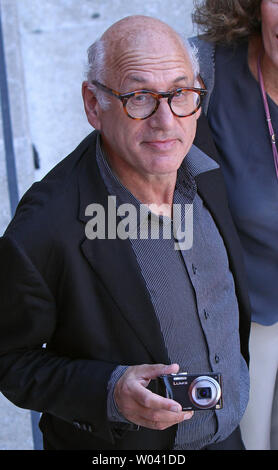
x,y
141,104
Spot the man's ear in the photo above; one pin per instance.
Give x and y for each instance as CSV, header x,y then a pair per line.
x,y
200,83
91,106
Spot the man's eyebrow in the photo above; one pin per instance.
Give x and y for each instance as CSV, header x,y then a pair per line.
x,y
137,79
181,78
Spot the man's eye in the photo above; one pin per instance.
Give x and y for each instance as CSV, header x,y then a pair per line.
x,y
181,96
140,99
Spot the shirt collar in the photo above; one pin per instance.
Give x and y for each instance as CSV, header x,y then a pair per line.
x,y
199,162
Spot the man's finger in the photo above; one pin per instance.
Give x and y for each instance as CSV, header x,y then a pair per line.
x,y
164,420
152,371
147,399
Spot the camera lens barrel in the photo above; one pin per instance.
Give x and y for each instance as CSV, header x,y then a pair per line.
x,y
204,392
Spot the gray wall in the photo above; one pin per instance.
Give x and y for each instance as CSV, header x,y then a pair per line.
x,y
18,110
45,49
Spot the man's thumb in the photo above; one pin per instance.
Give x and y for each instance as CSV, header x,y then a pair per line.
x,y
151,371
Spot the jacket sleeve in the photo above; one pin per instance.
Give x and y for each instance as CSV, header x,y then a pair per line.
x,y
31,376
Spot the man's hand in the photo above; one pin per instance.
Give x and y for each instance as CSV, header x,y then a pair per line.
x,y
143,407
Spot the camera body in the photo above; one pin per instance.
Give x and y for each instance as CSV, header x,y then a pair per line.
x,y
193,392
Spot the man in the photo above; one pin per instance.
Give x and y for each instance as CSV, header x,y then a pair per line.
x,y
88,321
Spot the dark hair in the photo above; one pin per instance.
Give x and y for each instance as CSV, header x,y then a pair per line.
x,y
227,21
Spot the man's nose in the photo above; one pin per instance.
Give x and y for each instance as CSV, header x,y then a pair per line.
x,y
163,117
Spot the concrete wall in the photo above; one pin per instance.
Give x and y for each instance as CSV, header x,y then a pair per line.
x,y
18,111
45,47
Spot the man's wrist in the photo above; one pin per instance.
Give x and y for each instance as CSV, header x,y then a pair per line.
x,y
112,410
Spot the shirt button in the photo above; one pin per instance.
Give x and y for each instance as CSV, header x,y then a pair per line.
x,y
216,359
194,269
77,424
206,314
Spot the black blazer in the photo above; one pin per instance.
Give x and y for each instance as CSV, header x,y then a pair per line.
x,y
87,302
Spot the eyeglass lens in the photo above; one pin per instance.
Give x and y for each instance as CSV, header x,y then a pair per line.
x,y
183,103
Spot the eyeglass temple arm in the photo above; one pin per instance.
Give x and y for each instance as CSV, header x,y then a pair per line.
x,y
106,89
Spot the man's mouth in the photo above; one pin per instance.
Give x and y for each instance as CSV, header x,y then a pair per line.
x,y
166,144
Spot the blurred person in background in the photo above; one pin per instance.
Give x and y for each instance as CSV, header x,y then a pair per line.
x,y
238,53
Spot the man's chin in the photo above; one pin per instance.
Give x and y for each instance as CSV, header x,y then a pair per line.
x,y
166,167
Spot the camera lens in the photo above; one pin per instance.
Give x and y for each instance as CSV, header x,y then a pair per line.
x,y
204,392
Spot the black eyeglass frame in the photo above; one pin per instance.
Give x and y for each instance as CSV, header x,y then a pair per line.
x,y
167,94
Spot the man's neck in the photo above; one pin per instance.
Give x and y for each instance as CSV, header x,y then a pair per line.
x,y
154,190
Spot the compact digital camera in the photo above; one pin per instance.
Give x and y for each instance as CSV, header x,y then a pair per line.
x,y
193,392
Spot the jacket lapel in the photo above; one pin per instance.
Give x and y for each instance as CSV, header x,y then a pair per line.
x,y
114,262
210,186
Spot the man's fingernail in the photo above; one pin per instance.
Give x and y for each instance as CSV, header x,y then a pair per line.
x,y
188,415
175,409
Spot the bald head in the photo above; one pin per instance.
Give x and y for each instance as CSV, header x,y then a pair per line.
x,y
138,31
137,23
131,38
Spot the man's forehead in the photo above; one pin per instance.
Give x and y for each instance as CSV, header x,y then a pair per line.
x,y
143,41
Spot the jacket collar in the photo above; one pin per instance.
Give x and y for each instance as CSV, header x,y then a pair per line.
x,y
115,264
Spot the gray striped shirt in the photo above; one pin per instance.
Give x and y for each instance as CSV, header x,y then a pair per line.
x,y
193,296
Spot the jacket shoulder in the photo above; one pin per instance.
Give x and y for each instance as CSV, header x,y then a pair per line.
x,y
45,208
